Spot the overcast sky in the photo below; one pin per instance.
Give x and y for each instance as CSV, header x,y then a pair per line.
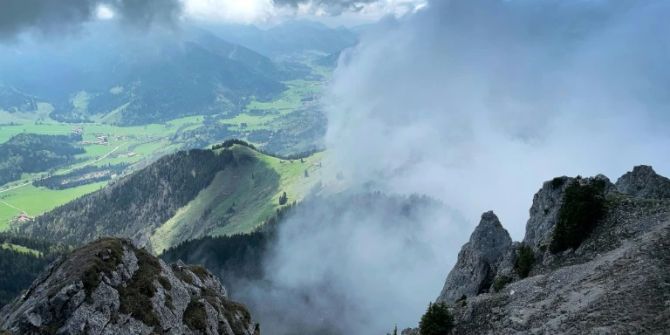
x,y
58,17
345,12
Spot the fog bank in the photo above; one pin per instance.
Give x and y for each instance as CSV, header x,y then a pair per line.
x,y
477,102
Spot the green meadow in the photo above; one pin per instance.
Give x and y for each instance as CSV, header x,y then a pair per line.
x,y
37,200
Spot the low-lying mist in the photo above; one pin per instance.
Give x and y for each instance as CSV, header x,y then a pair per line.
x,y
475,104
353,263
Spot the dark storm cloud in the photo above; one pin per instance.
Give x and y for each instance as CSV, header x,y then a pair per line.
x,y
330,6
56,17
142,12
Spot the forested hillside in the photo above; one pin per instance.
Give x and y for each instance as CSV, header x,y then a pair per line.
x,y
235,257
21,260
136,204
25,153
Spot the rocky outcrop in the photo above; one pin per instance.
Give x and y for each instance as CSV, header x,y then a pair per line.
x,y
616,281
643,182
111,287
546,206
478,260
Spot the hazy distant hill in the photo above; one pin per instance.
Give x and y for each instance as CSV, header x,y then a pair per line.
x,y
12,100
289,38
116,79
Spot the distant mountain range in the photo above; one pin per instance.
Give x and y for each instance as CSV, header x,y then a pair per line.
x,y
289,38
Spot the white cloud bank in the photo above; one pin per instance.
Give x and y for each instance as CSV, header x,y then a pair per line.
x,y
271,11
477,102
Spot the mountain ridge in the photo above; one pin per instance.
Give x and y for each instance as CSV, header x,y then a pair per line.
x,y
186,195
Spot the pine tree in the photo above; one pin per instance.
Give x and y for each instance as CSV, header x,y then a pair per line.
x,y
283,199
437,320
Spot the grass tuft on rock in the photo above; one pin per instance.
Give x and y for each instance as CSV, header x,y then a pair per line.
x,y
195,316
199,271
136,297
96,259
525,258
500,282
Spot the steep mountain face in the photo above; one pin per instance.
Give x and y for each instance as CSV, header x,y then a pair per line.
x,y
594,260
643,182
112,287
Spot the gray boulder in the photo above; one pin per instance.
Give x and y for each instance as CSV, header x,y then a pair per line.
x,y
112,287
643,182
478,260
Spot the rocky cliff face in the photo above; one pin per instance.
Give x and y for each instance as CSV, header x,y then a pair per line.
x,y
616,279
111,287
643,182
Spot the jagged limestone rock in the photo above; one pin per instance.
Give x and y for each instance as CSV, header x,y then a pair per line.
x,y
544,212
546,206
478,260
111,287
615,282
643,182
620,289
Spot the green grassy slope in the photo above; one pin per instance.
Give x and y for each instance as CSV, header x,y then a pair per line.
x,y
240,198
37,200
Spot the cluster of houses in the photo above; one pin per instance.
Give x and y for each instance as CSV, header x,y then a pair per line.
x,y
23,217
99,138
